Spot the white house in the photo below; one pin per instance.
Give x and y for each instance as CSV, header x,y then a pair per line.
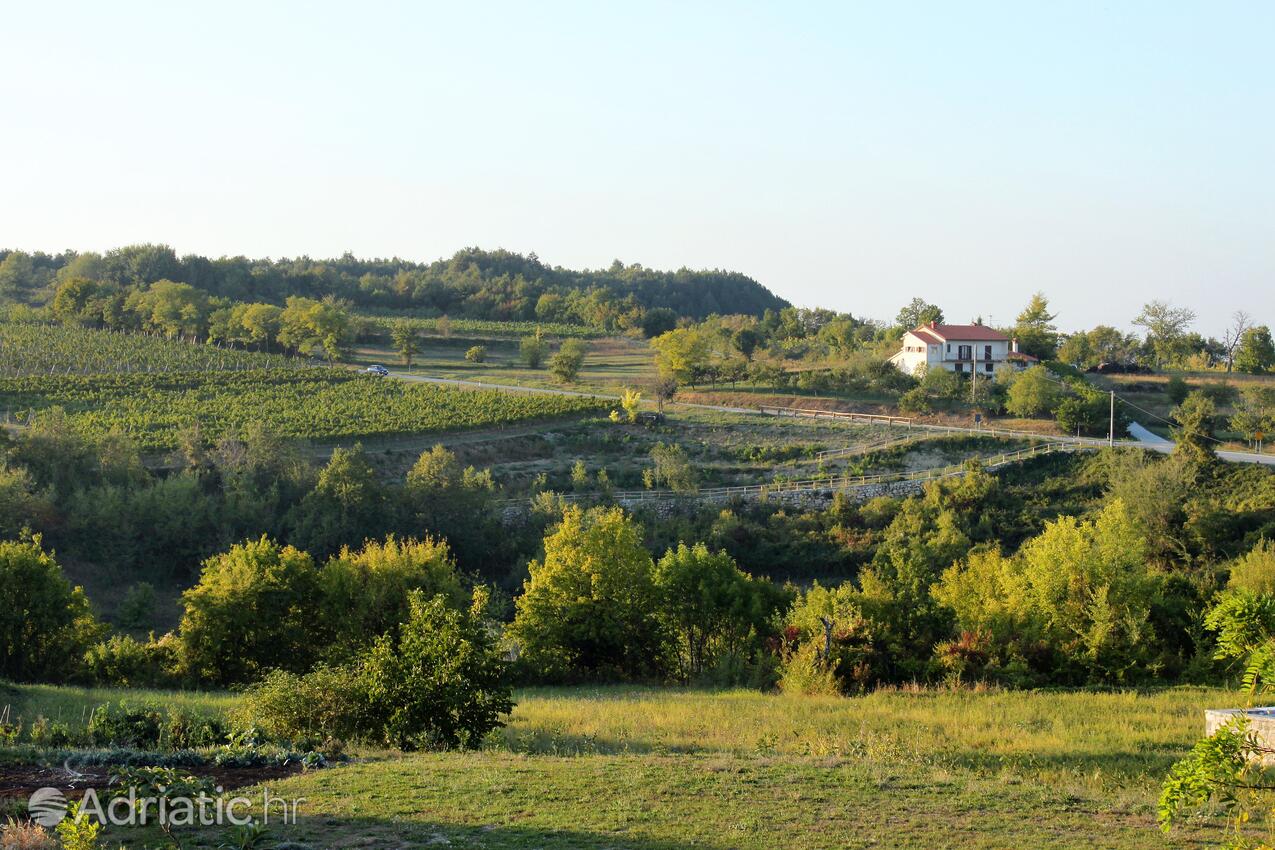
x,y
958,348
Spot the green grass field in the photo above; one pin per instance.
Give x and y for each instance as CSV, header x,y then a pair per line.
x,y
664,769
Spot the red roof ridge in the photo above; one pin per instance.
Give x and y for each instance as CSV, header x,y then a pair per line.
x,y
962,332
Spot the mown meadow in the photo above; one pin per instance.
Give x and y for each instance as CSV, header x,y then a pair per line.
x,y
642,768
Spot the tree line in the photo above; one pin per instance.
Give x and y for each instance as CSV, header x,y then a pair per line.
x,y
473,283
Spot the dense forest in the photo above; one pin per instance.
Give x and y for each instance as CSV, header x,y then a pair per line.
x,y
473,283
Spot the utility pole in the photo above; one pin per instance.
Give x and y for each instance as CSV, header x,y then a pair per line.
x,y
1111,429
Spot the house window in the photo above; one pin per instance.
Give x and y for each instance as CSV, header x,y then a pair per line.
x,y
965,352
989,368
960,367
987,353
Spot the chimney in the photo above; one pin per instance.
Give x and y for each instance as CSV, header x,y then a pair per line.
x,y
1013,345
933,323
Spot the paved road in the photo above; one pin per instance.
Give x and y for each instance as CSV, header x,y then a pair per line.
x,y
1142,437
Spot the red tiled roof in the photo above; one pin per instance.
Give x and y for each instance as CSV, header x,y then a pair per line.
x,y
977,333
925,334
1018,355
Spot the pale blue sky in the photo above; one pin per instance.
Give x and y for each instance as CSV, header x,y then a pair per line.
x,y
848,155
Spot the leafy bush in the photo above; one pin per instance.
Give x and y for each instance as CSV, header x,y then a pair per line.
x,y
589,608
255,608
1081,588
1032,393
439,683
712,610
566,363
151,727
126,724
366,592
476,354
307,710
124,661
45,623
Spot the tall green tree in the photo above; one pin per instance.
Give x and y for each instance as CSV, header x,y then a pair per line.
x,y
255,608
1035,329
918,312
45,623
1166,327
590,607
1256,352
406,341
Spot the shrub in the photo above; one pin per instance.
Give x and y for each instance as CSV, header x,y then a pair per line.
x,y
1255,571
126,724
589,608
255,608
834,641
305,710
1176,389
566,363
476,354
365,592
49,733
124,661
1032,393
441,683
712,609
915,400
24,835
532,351
806,672
45,623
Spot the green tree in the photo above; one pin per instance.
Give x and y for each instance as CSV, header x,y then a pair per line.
x,y
673,469
346,506
746,341
590,607
710,607
255,607
1256,352
1255,412
1035,329
476,354
532,351
45,623
1196,417
918,312
456,503
566,363
1166,329
1032,393
658,320
440,682
365,592
406,341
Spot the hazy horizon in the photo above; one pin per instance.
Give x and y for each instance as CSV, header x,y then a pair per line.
x,y
844,157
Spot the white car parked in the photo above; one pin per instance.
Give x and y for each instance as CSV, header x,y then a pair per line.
x,y
379,371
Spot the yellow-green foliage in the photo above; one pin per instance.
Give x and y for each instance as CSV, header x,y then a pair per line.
x,y
1082,586
45,623
1255,570
365,592
589,607
254,609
